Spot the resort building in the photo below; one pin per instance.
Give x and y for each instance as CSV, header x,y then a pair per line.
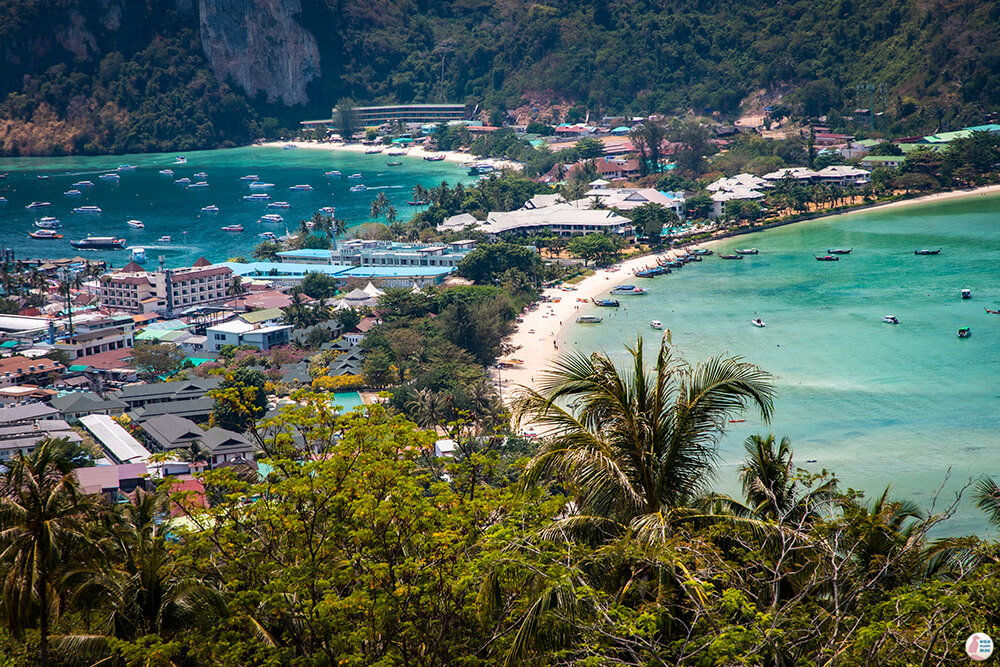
x,y
94,342
561,219
136,290
17,370
24,436
289,274
363,252
626,199
262,329
883,161
402,113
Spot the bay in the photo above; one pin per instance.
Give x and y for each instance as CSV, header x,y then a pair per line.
x,y
169,209
908,405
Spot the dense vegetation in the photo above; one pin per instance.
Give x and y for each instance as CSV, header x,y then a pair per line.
x,y
605,546
146,85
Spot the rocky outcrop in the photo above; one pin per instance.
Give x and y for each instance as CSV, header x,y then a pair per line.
x,y
258,45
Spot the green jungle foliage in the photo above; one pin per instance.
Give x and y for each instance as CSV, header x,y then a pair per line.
x,y
145,85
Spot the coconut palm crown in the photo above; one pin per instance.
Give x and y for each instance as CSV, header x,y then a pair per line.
x,y
641,441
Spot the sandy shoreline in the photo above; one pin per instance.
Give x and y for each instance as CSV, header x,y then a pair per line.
x,y
537,337
412,152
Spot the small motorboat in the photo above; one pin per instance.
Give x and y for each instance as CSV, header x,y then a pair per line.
x,y
700,251
418,202
964,332
250,177
199,184
83,184
201,174
38,204
757,322
135,224
333,173
327,210
126,167
165,239
139,255
73,193
233,228
48,223
890,319
921,251
747,251
183,181
839,251
45,234
301,188
180,159
271,217
166,172
587,319
211,208
730,256
110,177
967,294
87,209
993,312
359,188
354,176
826,258
394,163
656,324
279,204
268,236
260,196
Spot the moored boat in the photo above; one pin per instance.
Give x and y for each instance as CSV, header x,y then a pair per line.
x,y
126,167
183,181
589,319
110,177
279,204
165,239
890,319
418,202
333,173
964,332
434,158
199,184
656,324
993,312
45,234
372,151
83,184
166,172
233,228
38,204
271,217
700,251
259,185
211,208
99,243
135,224
922,251
359,188
607,303
48,222
260,196
967,294
839,251
250,177
757,322
747,251
354,176
73,193
826,258
301,188
268,236
730,256
201,174
87,209
394,163
180,159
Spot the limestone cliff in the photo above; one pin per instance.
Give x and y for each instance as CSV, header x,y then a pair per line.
x,y
258,45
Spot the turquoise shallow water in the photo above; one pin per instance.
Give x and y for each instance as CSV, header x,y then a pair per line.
x,y
169,209
875,403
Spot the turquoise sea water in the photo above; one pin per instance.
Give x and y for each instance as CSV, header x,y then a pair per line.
x,y
875,403
169,209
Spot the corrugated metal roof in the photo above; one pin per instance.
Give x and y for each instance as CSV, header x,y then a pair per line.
x,y
115,439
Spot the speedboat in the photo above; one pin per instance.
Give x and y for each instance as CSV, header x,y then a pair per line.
x,y
271,217
301,188
48,223
656,324
921,251
826,258
257,185
135,224
211,208
730,256
83,184
890,319
839,251
260,196
45,234
268,236
588,319
966,294
355,176
279,204
139,255
87,209
183,181
199,184
201,174
757,322
629,290
166,172
38,204
99,243
250,177
233,228
73,193
327,210
126,167
394,163
333,173
180,159
747,251
964,332
110,177
165,239
358,188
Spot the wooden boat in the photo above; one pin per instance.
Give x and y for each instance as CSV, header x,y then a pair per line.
x,y
993,312
964,332
730,256
921,251
607,303
434,158
394,163
826,258
700,251
839,251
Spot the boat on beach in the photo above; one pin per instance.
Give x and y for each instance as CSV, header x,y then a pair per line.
x,y
589,319
372,151
890,319
826,258
757,322
434,158
629,290
964,332
45,234
135,224
922,251
839,251
700,251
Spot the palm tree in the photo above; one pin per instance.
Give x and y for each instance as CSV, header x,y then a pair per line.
x,y
139,589
41,530
426,404
390,214
642,441
339,227
379,205
236,287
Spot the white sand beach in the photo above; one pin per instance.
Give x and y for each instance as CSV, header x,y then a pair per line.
x,y
413,152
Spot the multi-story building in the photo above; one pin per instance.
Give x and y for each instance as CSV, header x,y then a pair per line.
x,y
364,252
18,370
402,113
168,290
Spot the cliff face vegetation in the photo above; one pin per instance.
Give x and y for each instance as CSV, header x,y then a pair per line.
x,y
124,76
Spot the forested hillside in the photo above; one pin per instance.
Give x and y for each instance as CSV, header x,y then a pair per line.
x,y
134,76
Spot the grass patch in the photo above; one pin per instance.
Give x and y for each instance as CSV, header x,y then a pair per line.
x,y
580,276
